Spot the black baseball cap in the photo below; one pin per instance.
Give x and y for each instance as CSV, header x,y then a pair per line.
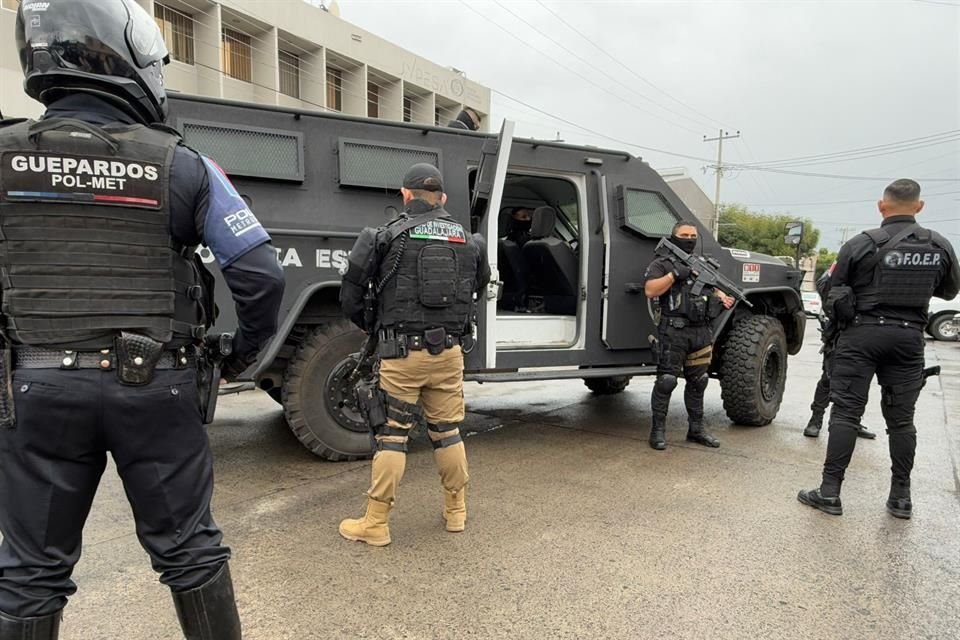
x,y
423,176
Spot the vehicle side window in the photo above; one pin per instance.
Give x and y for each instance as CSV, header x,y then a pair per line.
x,y
645,212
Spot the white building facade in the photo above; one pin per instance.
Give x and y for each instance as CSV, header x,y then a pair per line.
x,y
280,52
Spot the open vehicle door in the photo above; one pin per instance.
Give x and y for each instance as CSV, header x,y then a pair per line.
x,y
485,205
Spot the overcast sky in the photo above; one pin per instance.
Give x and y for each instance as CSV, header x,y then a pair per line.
x,y
799,78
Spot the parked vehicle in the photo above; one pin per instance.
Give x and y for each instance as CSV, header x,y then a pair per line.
x,y
943,323
316,179
812,305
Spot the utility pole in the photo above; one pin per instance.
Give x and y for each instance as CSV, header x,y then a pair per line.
x,y
724,135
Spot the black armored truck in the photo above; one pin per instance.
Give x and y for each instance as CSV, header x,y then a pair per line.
x,y
566,299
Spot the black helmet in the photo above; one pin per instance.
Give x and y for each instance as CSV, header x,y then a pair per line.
x,y
111,48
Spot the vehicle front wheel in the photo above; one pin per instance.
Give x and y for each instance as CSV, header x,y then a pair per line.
x,y
945,326
320,409
753,370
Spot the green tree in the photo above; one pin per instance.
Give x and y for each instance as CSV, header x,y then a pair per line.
x,y
741,228
825,258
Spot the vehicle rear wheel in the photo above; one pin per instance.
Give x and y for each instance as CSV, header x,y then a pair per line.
x,y
753,369
607,386
319,407
943,326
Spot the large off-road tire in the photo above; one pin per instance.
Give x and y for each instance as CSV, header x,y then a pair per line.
x,y
319,409
607,386
753,369
943,327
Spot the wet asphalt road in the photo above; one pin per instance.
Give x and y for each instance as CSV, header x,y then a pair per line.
x,y
577,529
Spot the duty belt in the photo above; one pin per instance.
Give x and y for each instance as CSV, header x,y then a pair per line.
x,y
416,342
880,321
105,359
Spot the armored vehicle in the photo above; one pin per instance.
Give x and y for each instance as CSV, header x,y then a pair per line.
x,y
567,301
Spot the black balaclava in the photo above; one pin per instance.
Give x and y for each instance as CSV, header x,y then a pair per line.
x,y
686,244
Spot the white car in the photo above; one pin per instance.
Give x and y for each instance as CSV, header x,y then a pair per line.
x,y
944,322
811,303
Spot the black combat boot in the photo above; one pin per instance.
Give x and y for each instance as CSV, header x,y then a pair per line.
x,y
899,504
816,499
697,433
658,432
209,612
815,425
39,628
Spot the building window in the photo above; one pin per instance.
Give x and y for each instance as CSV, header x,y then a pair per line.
x,y
177,29
334,89
237,55
289,74
407,109
373,100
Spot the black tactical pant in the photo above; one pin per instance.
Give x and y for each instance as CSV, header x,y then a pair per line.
x,y
821,396
51,462
682,351
895,355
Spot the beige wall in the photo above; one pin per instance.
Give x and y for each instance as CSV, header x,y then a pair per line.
x,y
320,37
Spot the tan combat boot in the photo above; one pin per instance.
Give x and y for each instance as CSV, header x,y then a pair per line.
x,y
372,528
455,510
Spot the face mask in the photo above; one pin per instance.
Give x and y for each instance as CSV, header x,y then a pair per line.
x,y
521,226
686,244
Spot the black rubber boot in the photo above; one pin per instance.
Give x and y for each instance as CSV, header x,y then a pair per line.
x,y
827,504
209,612
814,426
899,504
658,432
696,433
39,628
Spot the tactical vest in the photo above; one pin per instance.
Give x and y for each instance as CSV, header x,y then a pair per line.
x,y
905,274
428,277
679,302
86,249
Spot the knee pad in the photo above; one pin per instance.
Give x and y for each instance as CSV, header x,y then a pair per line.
x,y
665,383
698,383
444,435
392,439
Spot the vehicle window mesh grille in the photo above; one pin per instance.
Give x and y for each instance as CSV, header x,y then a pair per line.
x,y
648,213
369,164
247,152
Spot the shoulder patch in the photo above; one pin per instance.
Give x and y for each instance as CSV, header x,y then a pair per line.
x,y
442,230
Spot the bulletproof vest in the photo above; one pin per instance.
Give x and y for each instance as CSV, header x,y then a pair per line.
x,y
428,276
905,274
86,249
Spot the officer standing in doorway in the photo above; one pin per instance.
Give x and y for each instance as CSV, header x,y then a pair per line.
x,y
821,396
685,338
105,308
878,295
425,269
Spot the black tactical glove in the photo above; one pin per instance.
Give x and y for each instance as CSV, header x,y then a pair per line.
x,y
681,272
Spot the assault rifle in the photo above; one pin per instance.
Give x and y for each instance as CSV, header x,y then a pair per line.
x,y
704,271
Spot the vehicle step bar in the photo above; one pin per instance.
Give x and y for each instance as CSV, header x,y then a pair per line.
x,y
560,374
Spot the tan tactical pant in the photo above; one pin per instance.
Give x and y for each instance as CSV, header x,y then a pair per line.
x,y
437,383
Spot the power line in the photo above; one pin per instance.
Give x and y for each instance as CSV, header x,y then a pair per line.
x,y
890,147
625,67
